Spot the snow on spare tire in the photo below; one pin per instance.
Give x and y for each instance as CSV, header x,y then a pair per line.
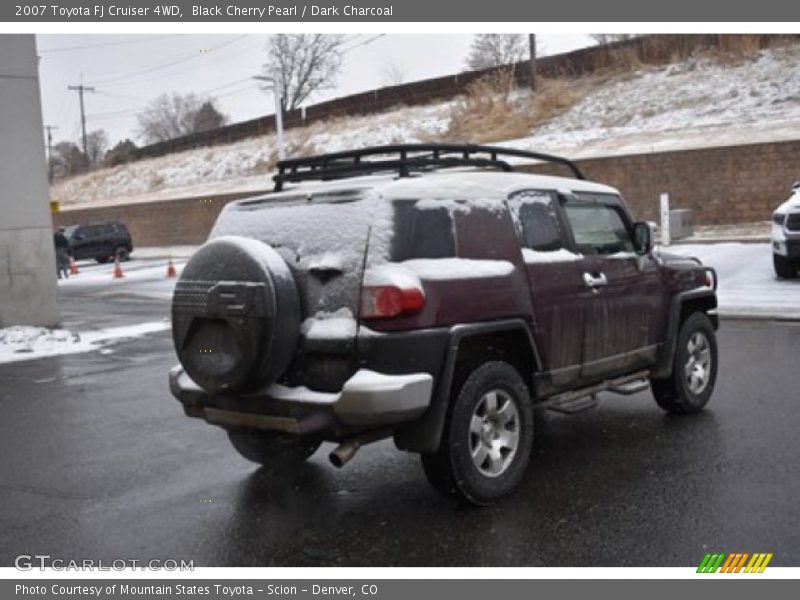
x,y
235,315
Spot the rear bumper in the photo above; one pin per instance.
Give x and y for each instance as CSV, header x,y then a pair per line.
x,y
368,399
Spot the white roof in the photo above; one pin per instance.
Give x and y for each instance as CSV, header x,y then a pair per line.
x,y
793,203
451,184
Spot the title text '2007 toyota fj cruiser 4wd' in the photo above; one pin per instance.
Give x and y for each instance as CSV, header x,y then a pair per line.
x,y
392,299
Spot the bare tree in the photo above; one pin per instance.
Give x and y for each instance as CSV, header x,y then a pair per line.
x,y
96,145
176,115
392,73
303,64
496,49
67,160
208,117
121,153
609,38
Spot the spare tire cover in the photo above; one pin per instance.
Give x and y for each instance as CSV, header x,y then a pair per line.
x,y
235,315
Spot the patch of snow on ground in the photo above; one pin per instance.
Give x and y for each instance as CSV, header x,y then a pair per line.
x,y
251,157
693,97
747,282
699,102
21,342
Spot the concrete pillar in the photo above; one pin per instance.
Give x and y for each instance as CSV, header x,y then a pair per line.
x,y
28,289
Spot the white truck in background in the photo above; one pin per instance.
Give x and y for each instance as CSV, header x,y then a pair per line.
x,y
786,236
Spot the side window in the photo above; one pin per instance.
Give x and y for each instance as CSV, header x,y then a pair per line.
x,y
537,218
422,230
598,228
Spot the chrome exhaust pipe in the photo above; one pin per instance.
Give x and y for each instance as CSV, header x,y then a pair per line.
x,y
348,448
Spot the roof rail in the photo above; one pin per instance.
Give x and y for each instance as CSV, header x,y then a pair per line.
x,y
404,158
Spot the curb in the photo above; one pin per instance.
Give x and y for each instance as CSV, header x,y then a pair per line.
x,y
778,317
724,240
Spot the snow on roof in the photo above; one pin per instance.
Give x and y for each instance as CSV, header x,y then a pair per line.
x,y
484,184
792,203
452,184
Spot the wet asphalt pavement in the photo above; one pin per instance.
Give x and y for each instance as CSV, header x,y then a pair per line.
x,y
99,462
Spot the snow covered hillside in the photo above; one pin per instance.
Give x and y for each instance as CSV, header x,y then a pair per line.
x,y
703,101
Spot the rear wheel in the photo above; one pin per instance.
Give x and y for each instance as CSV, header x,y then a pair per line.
x,y
694,370
785,268
488,435
121,252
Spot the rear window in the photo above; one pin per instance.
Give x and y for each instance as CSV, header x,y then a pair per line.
x,y
537,219
397,230
305,232
421,230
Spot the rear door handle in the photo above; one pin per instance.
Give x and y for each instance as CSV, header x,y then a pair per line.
x,y
595,282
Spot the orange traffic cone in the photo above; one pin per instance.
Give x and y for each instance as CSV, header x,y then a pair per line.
x,y
171,272
118,274
73,266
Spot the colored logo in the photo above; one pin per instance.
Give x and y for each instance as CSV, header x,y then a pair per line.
x,y
735,562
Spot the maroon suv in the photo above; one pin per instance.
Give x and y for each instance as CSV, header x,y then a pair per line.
x,y
415,292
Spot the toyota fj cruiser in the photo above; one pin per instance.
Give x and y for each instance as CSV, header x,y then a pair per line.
x,y
786,236
375,295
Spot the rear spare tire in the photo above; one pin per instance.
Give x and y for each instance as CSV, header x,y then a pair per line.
x,y
235,315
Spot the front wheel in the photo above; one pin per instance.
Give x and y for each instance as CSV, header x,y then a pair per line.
x,y
486,444
273,449
785,268
694,370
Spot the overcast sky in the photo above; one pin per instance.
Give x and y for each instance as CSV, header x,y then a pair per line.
x,y
127,71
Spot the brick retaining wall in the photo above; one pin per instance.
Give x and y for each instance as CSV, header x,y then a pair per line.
x,y
724,185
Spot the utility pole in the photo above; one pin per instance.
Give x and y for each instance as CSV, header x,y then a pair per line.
x,y
532,46
81,89
49,129
277,91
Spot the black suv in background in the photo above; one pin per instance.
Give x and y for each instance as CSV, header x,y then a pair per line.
x,y
100,241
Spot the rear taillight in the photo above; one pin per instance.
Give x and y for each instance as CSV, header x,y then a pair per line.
x,y
387,301
391,291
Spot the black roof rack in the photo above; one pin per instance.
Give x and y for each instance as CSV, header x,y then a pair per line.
x,y
404,158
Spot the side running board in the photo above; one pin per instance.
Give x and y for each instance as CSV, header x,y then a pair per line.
x,y
580,400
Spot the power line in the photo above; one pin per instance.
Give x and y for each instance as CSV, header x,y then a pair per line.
x,y
139,40
122,96
244,89
111,113
226,85
136,74
212,60
352,39
364,43
62,105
